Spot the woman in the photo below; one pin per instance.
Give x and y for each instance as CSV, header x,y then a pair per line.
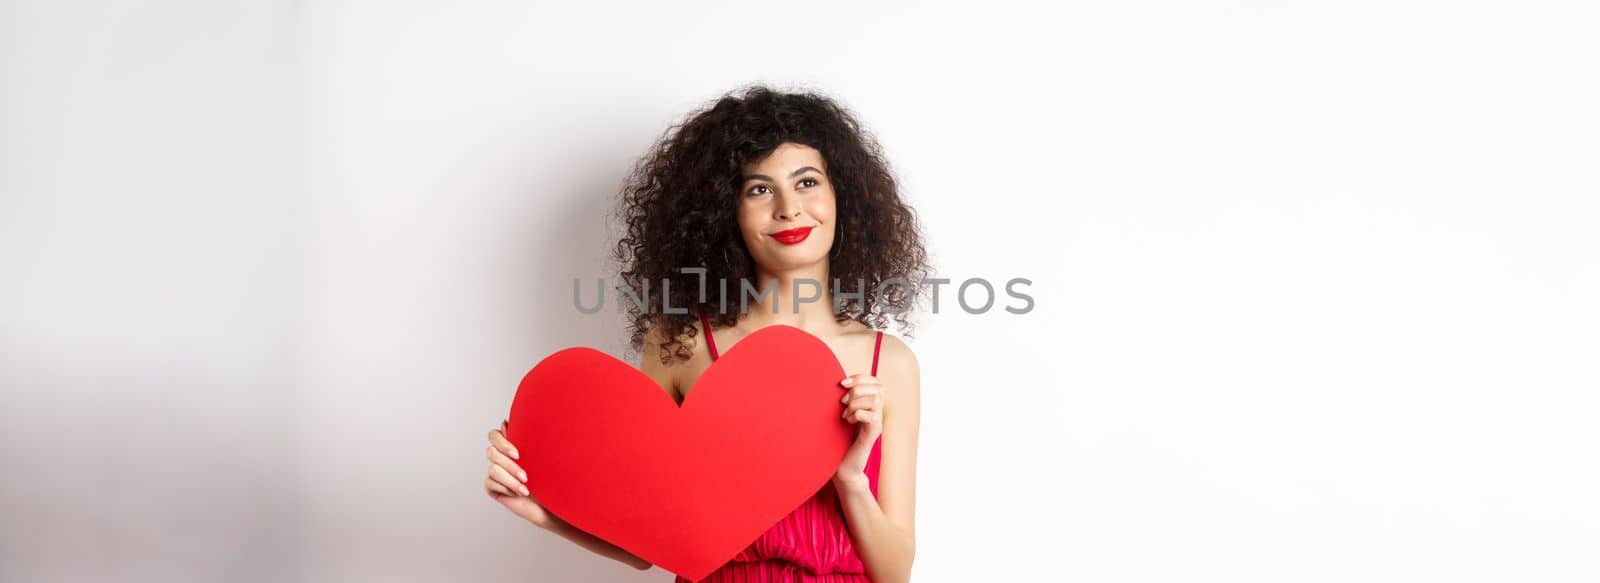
x,y
774,190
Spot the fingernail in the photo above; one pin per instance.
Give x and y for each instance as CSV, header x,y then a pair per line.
x,y
844,398
514,454
847,381
524,490
523,475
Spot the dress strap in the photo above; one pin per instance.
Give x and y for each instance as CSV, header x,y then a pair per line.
x,y
705,327
875,457
875,345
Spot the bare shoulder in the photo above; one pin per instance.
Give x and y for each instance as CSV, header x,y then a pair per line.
x,y
897,362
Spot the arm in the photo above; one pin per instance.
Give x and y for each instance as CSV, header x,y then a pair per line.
x,y
505,485
595,544
883,528
886,548
650,364
666,376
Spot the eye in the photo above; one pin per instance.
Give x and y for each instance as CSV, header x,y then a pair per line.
x,y
752,191
811,180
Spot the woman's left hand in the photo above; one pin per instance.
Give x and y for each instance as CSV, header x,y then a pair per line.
x,y
864,407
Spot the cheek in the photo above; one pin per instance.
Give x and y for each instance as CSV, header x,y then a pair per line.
x,y
749,225
745,216
822,207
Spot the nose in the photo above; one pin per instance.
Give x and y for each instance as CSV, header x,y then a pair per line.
x,y
787,206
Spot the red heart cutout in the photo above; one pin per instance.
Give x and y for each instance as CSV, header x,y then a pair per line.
x,y
607,450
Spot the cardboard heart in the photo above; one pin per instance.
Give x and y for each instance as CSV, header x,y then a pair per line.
x,y
686,488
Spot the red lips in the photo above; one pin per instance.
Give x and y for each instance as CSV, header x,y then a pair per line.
x,y
792,236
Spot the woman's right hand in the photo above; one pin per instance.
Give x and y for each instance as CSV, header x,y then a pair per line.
x,y
507,483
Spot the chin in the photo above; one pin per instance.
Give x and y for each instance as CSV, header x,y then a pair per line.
x,y
786,259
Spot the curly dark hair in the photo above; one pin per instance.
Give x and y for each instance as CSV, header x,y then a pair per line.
x,y
678,208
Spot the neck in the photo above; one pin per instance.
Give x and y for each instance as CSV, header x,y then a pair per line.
x,y
789,301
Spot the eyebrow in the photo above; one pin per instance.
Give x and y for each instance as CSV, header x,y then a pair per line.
x,y
797,172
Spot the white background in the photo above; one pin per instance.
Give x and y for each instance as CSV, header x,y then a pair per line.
x,y
1315,282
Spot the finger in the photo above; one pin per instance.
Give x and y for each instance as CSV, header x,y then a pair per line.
x,y
504,478
501,460
498,438
858,379
862,391
870,425
874,402
854,412
493,487
866,419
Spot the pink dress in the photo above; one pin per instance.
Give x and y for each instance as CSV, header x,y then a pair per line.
x,y
811,544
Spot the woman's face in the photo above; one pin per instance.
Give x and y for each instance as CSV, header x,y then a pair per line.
x,y
786,208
